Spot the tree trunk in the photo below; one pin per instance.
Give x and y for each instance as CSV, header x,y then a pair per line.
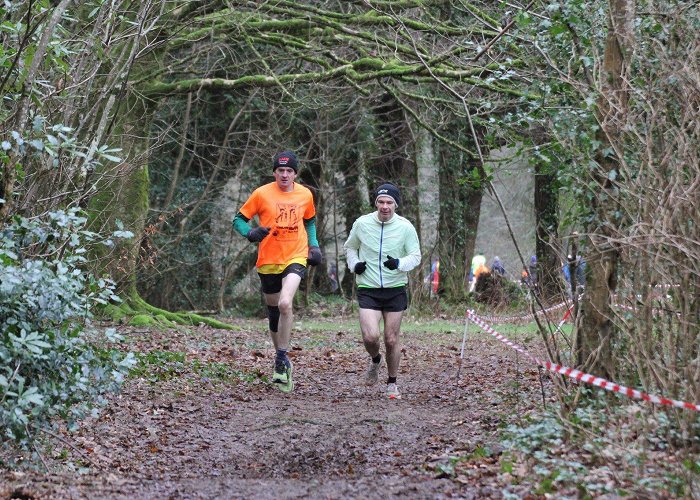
x,y
460,207
227,246
595,329
428,194
547,240
356,184
121,202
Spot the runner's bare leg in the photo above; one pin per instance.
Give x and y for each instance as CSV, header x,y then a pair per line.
x,y
369,326
392,327
284,300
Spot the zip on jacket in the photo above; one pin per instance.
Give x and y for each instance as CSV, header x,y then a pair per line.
x,y
381,245
372,240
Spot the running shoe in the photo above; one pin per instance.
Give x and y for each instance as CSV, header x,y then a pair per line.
x,y
372,374
282,377
392,391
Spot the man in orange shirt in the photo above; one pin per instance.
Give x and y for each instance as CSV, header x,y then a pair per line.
x,y
287,244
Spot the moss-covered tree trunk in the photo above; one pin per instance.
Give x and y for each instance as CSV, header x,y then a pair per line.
x,y
120,205
547,242
120,202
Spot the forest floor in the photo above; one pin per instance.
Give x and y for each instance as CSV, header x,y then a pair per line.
x,y
199,419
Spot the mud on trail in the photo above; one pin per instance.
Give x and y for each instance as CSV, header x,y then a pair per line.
x,y
202,420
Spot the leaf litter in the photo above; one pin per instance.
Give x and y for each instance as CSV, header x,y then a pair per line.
x,y
209,425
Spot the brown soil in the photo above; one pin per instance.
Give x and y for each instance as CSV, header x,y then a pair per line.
x,y
196,436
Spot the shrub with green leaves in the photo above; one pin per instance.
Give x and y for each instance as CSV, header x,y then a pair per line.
x,y
54,364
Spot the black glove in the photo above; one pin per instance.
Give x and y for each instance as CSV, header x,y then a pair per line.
x,y
391,263
257,234
360,267
314,257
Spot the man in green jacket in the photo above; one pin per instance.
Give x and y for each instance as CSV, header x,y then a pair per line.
x,y
381,249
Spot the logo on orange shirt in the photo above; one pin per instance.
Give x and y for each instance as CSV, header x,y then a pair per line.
x,y
287,222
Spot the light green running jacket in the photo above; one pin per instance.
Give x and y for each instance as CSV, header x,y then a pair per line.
x,y
373,241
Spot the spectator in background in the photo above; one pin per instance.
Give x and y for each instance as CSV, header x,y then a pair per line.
x,y
525,278
333,276
579,266
532,274
435,277
480,271
567,274
532,270
477,261
497,267
580,272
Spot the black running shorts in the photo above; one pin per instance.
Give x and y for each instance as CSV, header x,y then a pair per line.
x,y
383,299
272,283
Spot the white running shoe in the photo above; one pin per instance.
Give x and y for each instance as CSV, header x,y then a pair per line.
x,y
392,391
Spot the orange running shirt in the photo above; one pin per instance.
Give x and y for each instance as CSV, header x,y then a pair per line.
x,y
284,213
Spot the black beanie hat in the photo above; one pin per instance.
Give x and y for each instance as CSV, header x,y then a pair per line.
x,y
285,159
390,190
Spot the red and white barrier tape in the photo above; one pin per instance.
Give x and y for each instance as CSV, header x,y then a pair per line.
x,y
579,375
523,317
566,316
654,310
530,316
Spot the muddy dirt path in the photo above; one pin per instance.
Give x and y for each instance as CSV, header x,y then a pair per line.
x,y
190,432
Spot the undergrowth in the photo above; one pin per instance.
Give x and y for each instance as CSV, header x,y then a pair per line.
x,y
627,450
